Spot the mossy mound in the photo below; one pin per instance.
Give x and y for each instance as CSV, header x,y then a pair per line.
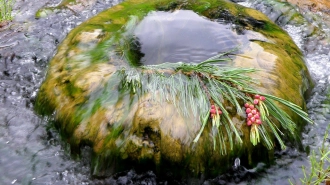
x,y
84,90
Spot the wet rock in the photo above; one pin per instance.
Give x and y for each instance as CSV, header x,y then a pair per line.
x,y
75,6
125,129
311,16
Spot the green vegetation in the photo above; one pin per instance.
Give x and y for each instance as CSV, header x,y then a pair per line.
x,y
5,10
193,113
319,171
207,89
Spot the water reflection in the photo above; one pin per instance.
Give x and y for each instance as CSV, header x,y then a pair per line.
x,y
167,37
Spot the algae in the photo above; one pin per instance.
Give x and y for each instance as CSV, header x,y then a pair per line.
x,y
128,129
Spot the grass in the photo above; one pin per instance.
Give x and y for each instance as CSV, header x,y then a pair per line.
x,y
6,7
319,171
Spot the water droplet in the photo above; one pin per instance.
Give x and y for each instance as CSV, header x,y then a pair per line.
x,y
237,163
13,182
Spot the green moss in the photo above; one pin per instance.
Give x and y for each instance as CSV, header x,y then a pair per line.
x,y
100,53
297,19
44,12
43,105
72,90
109,110
202,6
115,133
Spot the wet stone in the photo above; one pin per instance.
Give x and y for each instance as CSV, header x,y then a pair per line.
x,y
83,74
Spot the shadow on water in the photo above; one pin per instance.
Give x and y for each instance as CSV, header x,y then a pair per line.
x,y
31,151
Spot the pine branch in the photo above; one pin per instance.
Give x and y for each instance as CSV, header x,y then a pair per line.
x,y
196,89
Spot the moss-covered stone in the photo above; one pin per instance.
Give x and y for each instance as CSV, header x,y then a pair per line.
x,y
92,107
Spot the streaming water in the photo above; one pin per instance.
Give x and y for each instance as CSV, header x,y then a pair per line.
x,y
31,151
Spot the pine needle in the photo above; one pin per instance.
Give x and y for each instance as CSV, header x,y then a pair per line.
x,y
192,88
